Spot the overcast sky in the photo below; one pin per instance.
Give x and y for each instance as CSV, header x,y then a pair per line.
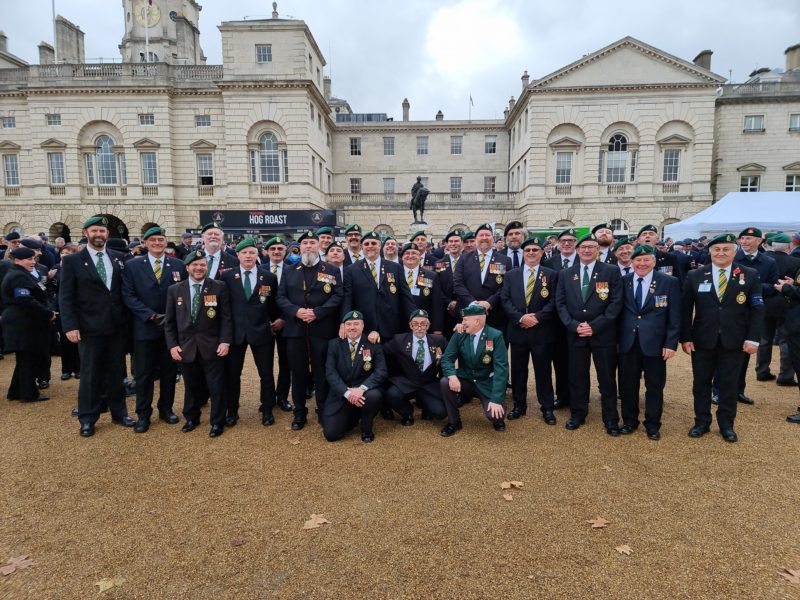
x,y
438,53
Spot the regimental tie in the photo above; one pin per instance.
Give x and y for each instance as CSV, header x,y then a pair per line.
x,y
529,287
356,256
565,264
210,264
248,287
722,283
420,356
585,283
482,262
516,259
353,346
101,268
453,264
195,302
274,269
410,279
638,296
157,269
374,273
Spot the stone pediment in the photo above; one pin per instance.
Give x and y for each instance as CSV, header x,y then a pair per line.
x,y
674,140
202,145
565,143
53,144
146,144
752,167
628,62
6,145
795,166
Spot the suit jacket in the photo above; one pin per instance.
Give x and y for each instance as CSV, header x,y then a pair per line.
x,y
445,277
26,319
791,294
251,318
601,308
386,308
542,305
146,296
227,261
556,262
767,269
739,317
487,368
214,325
468,287
324,294
429,297
658,322
342,373
788,265
401,353
668,263
86,303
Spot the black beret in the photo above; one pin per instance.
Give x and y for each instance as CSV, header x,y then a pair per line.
x,y
513,225
22,252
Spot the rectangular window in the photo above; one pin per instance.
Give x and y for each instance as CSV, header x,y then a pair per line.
x,y
388,146
455,187
672,165
9,122
55,166
285,158
123,169
319,120
793,183
147,119
53,119
490,144
205,169
754,123
490,185
89,160
456,144
388,186
794,122
749,183
311,108
422,145
355,185
11,169
263,53
563,167
253,166
355,146
634,156
202,120
149,168
615,166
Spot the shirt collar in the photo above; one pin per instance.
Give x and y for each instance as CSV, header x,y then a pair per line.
x,y
590,265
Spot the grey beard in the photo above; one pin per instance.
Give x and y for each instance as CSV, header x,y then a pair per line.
x,y
310,258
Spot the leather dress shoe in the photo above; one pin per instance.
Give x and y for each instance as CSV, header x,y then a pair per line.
x,y
141,426
573,423
499,425
654,435
44,384
407,421
267,419
786,382
189,426
74,412
125,421
766,377
612,431
698,431
231,420
216,431
168,417
367,437
627,429
794,418
387,414
65,376
549,417
87,430
76,375
745,399
450,429
516,412
284,405
299,423
39,398
714,399
728,434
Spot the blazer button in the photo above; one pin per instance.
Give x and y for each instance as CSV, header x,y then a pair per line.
x,y
584,310
639,316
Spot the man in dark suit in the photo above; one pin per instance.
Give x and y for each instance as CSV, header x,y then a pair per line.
x,y
427,257
199,331
378,290
479,275
528,298
276,251
356,370
445,269
722,318
514,234
253,292
589,300
353,252
414,370
309,295
214,245
93,315
649,328
605,239
482,370
325,235
182,250
665,262
145,281
424,286
789,288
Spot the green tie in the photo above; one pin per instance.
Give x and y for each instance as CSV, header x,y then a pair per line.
x,y
248,288
210,264
420,357
274,269
353,345
482,263
529,287
722,283
101,268
453,264
585,283
157,270
374,273
410,279
195,302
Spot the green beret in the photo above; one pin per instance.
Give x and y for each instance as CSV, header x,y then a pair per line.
x,y
408,246
275,240
473,310
308,235
647,228
485,226
98,220
325,231
567,232
513,225
722,238
600,226
351,228
534,241
643,249
211,225
781,238
154,231
193,256
455,232
353,315
370,235
622,242
467,235
754,231
589,237
331,247
419,313
246,243
386,239
417,234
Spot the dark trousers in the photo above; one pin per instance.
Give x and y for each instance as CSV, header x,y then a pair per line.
x,y
542,356
705,362
605,362
561,365
336,422
70,358
263,355
204,379
23,380
431,404
468,391
774,334
284,372
793,347
631,366
102,372
301,353
153,361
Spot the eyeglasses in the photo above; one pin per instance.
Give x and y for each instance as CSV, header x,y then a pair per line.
x,y
419,325
567,241
531,250
367,244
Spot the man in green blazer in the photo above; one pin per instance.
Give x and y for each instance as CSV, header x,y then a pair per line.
x,y
482,370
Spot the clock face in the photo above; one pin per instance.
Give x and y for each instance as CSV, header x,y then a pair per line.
x,y
153,13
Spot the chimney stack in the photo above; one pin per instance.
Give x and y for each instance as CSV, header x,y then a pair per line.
x,y
69,41
505,113
406,106
440,116
704,59
511,103
525,79
793,58
47,54
274,10
326,87
3,42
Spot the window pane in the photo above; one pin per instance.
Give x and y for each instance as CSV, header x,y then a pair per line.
x,y
11,168
749,183
205,169
123,169
149,168
355,185
147,119
285,157
456,142
672,161
563,167
55,164
253,161
9,122
53,119
388,146
455,185
355,146
269,164
489,185
388,186
615,166
263,53
794,122
89,159
754,123
793,183
106,161
422,145
202,120
490,144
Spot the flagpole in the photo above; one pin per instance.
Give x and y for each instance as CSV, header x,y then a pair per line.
x,y
55,42
470,108
147,32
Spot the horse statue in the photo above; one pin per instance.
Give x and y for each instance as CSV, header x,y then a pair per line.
x,y
419,193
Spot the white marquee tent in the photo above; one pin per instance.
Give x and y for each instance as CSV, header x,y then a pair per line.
x,y
769,211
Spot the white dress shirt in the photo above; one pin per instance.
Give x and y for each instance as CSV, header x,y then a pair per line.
x,y
571,259
279,272
212,271
106,261
646,280
476,340
623,267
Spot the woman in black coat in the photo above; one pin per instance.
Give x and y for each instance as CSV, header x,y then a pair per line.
x,y
26,325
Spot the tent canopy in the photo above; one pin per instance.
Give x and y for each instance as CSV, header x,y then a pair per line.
x,y
769,211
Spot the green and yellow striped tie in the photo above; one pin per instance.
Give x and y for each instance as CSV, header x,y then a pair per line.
x,y
353,345
722,284
453,264
410,279
374,273
483,262
529,287
157,269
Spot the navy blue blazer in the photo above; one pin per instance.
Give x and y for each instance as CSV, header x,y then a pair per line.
x,y
658,322
767,270
145,296
601,309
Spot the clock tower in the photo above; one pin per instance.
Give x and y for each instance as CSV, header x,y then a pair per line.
x,y
167,29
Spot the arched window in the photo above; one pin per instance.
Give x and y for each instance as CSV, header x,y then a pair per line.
x,y
106,161
269,162
619,227
617,160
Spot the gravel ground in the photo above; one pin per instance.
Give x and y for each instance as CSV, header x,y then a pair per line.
x,y
412,515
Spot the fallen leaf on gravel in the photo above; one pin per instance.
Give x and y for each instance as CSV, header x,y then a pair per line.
x,y
294,442
507,485
606,468
531,577
239,541
106,584
790,575
16,563
315,521
508,497
598,523
626,550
